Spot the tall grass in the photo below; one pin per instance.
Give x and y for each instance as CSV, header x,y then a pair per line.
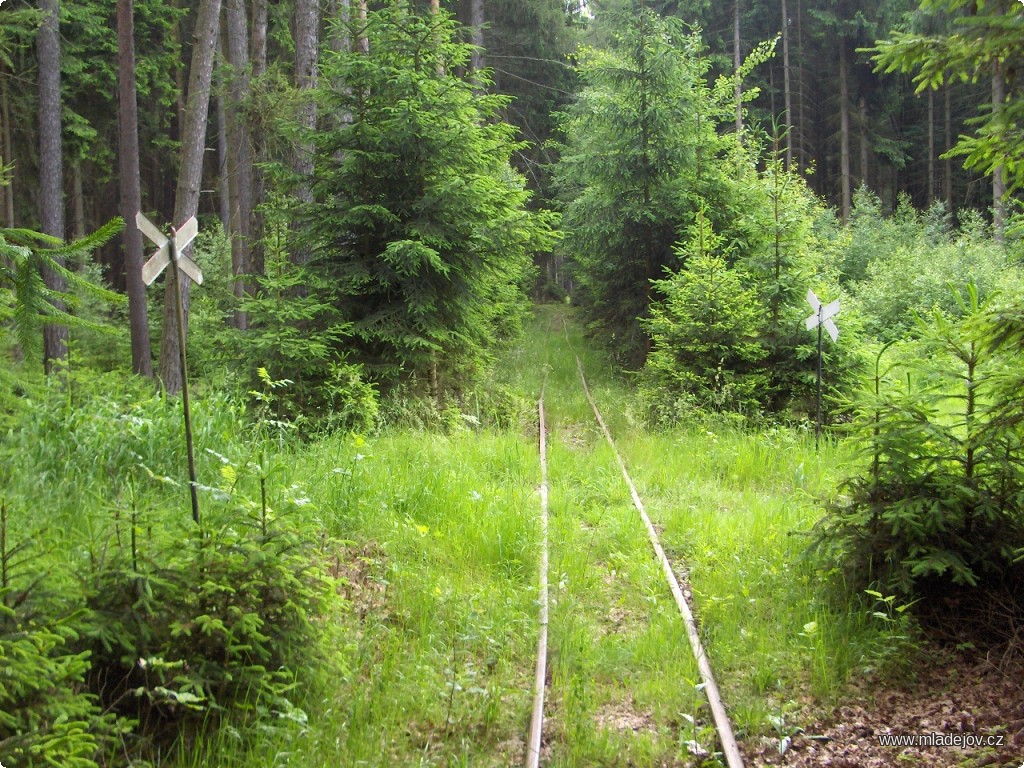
x,y
434,539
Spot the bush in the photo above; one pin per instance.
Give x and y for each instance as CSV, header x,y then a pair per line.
x,y
704,335
903,266
124,624
939,493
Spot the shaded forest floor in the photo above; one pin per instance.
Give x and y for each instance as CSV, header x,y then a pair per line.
x,y
948,692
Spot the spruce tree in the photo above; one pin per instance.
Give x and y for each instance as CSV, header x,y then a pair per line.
x,y
419,223
640,154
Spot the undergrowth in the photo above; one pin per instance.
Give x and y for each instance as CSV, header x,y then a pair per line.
x,y
125,626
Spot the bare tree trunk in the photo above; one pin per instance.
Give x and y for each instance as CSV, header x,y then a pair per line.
x,y
476,23
340,10
736,61
77,201
844,129
947,181
999,174
931,145
223,163
787,87
802,119
5,115
240,151
259,68
865,156
307,40
130,188
362,41
223,172
51,171
193,149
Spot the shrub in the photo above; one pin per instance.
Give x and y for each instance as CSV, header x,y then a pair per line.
x,y
122,620
939,493
704,334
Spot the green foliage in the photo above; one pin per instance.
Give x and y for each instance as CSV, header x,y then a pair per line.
x,y
420,231
291,327
735,323
985,35
119,607
901,266
704,335
939,489
527,49
635,151
46,717
780,246
25,301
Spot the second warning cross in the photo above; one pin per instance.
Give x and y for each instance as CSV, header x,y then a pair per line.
x,y
822,318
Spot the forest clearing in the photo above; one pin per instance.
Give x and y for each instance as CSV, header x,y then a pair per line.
x,y
511,382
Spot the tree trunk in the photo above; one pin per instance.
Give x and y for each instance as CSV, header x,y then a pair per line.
x,y
865,155
240,150
193,149
130,188
736,61
5,115
223,163
931,145
259,38
801,115
999,174
947,181
844,129
340,11
51,171
77,201
476,22
787,89
307,27
362,41
259,68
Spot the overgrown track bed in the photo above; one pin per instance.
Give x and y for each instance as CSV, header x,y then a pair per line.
x,y
624,717
540,679
728,742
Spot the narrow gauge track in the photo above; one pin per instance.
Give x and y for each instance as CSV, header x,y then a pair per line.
x,y
537,718
730,750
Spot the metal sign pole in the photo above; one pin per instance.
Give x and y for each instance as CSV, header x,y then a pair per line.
x,y
180,312
817,423
169,251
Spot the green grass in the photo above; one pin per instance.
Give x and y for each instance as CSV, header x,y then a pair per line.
x,y
441,629
436,546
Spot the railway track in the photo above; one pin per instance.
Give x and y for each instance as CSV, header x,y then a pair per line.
x,y
723,727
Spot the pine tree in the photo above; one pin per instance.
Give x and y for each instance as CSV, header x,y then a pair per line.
x,y
704,334
987,43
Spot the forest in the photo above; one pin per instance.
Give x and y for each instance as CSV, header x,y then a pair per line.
x,y
309,314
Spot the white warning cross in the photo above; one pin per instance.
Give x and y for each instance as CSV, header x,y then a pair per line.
x,y
185,235
823,313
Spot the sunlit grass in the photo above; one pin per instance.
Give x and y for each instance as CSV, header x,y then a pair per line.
x,y
437,550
